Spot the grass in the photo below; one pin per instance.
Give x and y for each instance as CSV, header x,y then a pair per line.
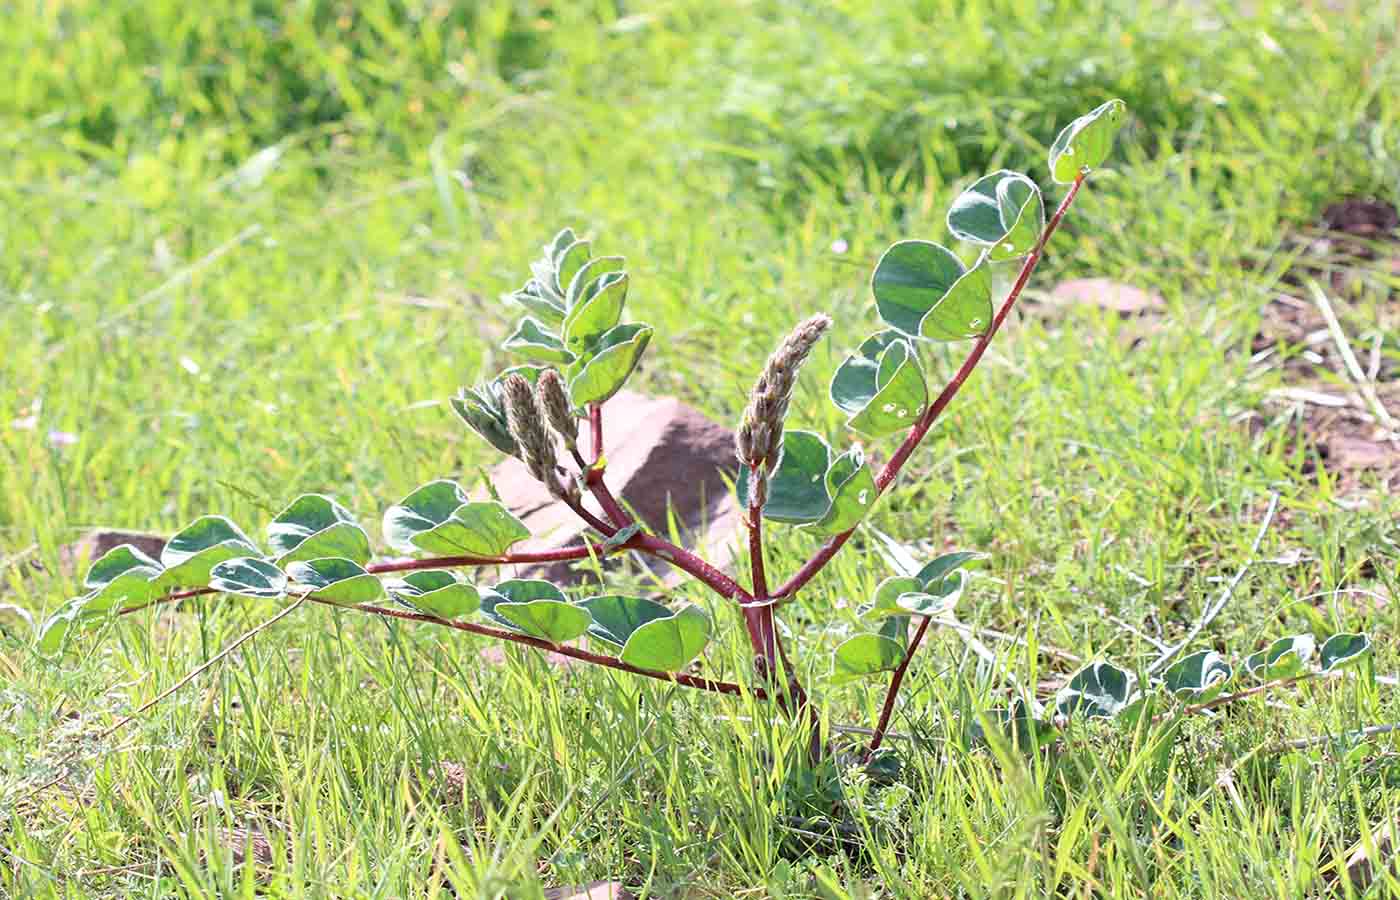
x,y
247,251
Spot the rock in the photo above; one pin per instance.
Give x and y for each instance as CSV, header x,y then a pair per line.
x,y
598,890
663,458
1107,294
95,543
1361,217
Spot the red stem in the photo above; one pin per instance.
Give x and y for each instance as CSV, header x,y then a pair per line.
x,y
597,659
895,680
921,428
595,422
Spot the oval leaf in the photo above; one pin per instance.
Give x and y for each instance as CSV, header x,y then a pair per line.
x,y
435,592
555,621
668,644
606,371
615,618
597,311
314,526
115,562
1003,211
924,290
534,340
797,485
1284,658
1199,677
588,275
517,590
1100,690
567,262
1085,143
851,486
1342,650
197,548
248,576
865,654
336,580
881,385
438,518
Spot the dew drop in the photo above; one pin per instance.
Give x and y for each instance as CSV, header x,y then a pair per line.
x,y
1008,247
1069,151
902,413
888,407
863,497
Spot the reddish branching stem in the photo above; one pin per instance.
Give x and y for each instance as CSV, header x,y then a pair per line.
x,y
597,659
896,680
921,428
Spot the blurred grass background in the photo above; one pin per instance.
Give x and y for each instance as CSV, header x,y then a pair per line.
x,y
247,249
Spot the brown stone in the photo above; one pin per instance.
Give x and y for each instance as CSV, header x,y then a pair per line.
x,y
664,459
95,543
1107,294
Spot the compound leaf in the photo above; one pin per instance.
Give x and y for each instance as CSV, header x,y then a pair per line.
x,y
796,485
850,485
438,518
881,385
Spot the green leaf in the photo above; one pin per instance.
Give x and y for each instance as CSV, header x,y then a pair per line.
x,y
598,310
536,341
796,486
1284,658
1100,690
542,302
1085,143
198,547
923,289
881,385
1002,210
615,618
887,594
935,600
1342,650
587,276
517,590
865,654
55,628
933,574
1199,677
555,621
851,486
116,562
336,580
668,644
248,576
314,527
435,592
134,587
567,262
438,518
602,375
562,241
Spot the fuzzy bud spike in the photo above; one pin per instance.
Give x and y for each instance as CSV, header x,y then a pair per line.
x,y
761,429
526,422
555,402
